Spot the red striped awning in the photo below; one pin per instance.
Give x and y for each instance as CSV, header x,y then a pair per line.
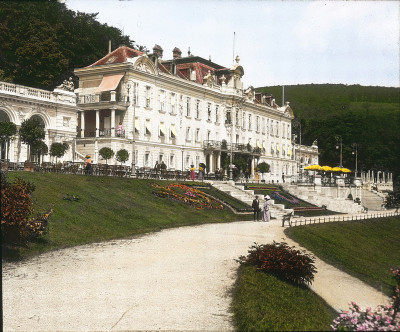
x,y
110,82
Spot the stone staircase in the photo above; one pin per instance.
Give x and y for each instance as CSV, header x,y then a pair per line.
x,y
372,200
319,196
247,196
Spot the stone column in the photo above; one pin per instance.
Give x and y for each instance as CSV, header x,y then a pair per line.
x,y
219,160
113,95
211,170
82,124
96,152
97,123
113,122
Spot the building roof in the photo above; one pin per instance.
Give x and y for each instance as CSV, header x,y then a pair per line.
x,y
120,55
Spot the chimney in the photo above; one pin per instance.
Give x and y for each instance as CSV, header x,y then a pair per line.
x,y
157,49
109,46
176,53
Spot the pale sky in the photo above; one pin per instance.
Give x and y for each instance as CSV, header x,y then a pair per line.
x,y
278,42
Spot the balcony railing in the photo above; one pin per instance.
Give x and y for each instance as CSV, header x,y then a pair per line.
x,y
103,97
236,147
106,133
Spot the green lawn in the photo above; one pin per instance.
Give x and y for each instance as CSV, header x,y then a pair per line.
x,y
365,249
263,302
109,208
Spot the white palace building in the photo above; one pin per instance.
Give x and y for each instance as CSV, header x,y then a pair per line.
x,y
183,111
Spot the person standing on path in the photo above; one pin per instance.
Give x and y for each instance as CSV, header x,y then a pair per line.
x,y
266,212
192,173
256,209
88,165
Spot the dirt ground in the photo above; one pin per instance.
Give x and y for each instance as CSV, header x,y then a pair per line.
x,y
178,279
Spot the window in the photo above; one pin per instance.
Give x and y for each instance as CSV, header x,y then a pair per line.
x,y
209,111
237,118
228,116
197,160
244,120
208,135
173,131
66,121
197,109
288,132
217,114
148,96
132,92
187,160
173,102
162,132
148,128
137,126
249,121
147,159
187,106
257,124
197,138
162,100
161,158
172,161
188,133
263,126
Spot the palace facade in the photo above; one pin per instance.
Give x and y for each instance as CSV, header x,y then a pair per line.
x,y
183,111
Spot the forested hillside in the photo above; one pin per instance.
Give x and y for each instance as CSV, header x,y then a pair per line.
x,y
42,42
366,115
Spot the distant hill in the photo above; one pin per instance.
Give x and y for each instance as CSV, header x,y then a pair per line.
x,y
366,115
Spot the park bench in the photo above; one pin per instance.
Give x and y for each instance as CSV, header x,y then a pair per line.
x,y
286,218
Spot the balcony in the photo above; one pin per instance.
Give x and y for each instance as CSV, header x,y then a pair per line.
x,y
103,98
236,147
105,133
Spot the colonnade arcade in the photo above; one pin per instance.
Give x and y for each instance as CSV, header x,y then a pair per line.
x,y
101,123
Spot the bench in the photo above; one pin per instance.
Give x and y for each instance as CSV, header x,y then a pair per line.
x,y
286,218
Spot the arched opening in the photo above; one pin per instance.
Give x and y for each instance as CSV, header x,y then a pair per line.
x,y
5,144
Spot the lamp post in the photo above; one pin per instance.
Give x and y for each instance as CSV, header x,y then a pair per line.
x,y
339,144
229,129
297,124
355,152
182,148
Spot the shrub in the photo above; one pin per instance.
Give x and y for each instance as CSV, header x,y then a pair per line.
x,y
122,155
16,206
106,153
383,318
282,261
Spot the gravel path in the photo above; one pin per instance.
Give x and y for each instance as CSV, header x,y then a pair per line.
x,y
178,279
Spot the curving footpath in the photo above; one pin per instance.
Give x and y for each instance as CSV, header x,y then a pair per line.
x,y
177,279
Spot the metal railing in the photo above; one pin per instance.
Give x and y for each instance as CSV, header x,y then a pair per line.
x,y
105,133
236,147
300,221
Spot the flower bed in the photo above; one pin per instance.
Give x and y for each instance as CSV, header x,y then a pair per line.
x,y
182,193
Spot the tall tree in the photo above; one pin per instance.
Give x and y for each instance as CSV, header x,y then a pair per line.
x,y
31,132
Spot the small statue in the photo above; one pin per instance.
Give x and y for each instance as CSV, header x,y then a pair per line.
x,y
67,85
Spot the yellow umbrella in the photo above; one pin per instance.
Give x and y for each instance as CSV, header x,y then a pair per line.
x,y
327,168
346,170
336,169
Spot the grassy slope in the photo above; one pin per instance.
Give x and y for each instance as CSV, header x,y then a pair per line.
x,y
109,208
263,302
365,249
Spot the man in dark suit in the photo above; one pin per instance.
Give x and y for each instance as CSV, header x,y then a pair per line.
x,y
256,209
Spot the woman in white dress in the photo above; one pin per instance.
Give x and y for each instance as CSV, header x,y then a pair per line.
x,y
266,213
